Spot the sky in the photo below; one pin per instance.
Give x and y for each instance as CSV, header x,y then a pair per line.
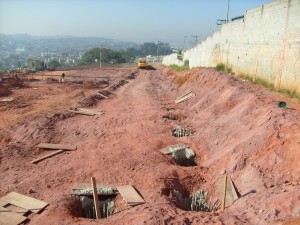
x,y
126,20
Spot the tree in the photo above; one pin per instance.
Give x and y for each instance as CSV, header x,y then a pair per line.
x,y
107,56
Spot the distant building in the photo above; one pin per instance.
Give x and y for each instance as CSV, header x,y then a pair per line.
x,y
36,64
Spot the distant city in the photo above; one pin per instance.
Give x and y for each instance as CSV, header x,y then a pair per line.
x,y
16,50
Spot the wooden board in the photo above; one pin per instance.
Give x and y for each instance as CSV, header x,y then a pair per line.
x,y
57,146
231,194
46,156
130,195
183,96
8,217
82,112
23,201
96,198
96,112
103,96
7,100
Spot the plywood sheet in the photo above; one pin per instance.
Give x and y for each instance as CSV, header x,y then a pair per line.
x,y
130,195
23,201
13,208
57,146
16,209
7,217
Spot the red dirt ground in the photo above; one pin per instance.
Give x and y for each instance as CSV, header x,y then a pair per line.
x,y
239,129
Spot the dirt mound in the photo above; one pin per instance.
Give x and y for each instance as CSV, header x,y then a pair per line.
x,y
7,84
242,131
90,100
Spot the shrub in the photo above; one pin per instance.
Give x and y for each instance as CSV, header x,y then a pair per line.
x,y
181,68
220,67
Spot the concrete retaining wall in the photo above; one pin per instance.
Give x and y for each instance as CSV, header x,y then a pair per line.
x,y
265,44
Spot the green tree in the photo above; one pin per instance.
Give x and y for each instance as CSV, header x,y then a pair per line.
x,y
107,56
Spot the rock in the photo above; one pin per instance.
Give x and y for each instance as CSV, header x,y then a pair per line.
x,y
30,191
275,211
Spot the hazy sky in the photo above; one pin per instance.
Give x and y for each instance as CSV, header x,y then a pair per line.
x,y
128,20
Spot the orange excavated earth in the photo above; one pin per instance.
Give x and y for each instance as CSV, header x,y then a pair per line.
x,y
238,129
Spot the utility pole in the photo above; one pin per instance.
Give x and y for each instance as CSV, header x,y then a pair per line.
x,y
228,11
47,58
196,39
100,56
184,41
157,51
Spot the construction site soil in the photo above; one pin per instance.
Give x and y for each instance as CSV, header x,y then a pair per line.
x,y
238,130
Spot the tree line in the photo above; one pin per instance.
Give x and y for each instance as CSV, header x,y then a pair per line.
x,y
125,56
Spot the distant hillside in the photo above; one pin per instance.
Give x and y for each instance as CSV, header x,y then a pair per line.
x,y
57,44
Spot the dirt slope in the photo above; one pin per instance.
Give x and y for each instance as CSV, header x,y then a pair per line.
x,y
238,129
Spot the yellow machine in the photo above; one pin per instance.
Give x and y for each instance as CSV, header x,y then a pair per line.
x,y
142,64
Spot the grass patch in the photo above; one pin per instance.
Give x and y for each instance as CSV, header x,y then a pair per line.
x,y
223,67
181,68
270,86
246,77
292,94
220,67
263,83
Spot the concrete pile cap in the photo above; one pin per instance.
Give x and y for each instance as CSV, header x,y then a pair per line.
x,y
183,153
174,148
101,190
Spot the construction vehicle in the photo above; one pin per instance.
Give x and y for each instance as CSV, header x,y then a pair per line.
x,y
142,64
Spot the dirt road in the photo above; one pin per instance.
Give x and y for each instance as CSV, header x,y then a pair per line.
x,y
237,129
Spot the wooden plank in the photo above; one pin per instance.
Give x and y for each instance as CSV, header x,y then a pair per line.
x,y
82,112
96,112
103,96
23,201
96,199
130,195
183,96
47,156
57,146
224,192
8,217
7,100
